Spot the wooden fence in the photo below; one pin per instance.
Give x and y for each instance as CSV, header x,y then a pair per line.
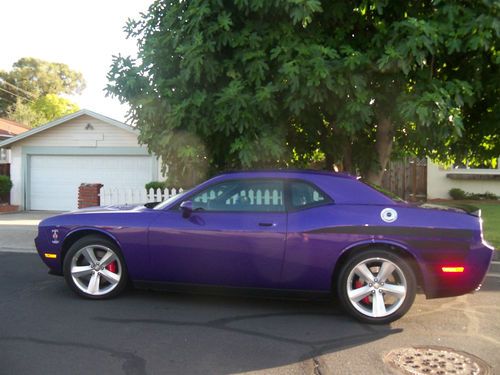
x,y
407,178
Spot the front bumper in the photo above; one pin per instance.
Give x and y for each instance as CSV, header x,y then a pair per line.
x,y
50,254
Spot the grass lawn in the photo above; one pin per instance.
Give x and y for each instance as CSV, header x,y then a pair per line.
x,y
491,219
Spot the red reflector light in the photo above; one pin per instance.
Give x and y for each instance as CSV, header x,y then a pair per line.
x,y
452,269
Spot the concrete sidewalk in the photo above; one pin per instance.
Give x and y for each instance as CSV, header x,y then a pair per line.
x,y
19,229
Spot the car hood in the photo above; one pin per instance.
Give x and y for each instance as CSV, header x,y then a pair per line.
x,y
110,208
89,216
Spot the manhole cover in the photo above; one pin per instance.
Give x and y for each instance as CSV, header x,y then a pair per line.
x,y
435,361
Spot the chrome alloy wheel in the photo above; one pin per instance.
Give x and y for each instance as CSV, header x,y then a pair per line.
x,y
376,287
96,270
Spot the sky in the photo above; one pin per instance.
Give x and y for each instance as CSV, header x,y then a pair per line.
x,y
82,34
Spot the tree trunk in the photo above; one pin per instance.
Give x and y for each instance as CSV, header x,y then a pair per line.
x,y
383,149
329,161
347,159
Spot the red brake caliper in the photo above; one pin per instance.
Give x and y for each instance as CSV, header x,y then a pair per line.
x,y
359,284
111,267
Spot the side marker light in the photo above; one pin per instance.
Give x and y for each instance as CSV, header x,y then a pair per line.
x,y
50,255
452,269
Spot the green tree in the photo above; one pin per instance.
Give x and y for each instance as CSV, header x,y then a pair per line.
x,y
244,83
31,91
41,110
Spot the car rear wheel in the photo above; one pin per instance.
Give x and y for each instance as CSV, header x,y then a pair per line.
x,y
94,268
377,286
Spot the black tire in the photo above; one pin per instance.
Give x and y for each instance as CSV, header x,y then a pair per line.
x,y
105,283
366,309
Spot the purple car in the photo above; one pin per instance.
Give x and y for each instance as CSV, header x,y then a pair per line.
x,y
301,231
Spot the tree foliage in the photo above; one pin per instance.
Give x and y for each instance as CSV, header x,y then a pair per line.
x,y
31,92
244,83
41,110
5,186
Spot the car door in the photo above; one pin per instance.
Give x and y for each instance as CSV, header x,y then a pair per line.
x,y
310,254
234,236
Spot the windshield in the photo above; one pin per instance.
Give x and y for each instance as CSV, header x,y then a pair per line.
x,y
166,202
387,193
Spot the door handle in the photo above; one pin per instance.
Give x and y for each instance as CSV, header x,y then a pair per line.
x,y
267,224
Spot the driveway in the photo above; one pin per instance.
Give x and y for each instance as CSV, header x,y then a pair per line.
x,y
19,229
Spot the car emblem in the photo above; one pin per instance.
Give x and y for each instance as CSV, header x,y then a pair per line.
x,y
389,215
55,236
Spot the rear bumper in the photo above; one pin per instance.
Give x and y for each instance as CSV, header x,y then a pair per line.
x,y
476,264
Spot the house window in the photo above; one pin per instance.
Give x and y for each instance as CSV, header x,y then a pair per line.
x,y
4,155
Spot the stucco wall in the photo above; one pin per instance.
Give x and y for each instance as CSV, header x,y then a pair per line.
x,y
438,184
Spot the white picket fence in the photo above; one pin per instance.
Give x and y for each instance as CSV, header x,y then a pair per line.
x,y
121,196
251,197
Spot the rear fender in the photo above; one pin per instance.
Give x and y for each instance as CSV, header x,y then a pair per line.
x,y
401,247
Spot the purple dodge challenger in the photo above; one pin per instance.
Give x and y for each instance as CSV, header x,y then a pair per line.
x,y
293,230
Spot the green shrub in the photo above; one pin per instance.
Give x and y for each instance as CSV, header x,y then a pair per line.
x,y
490,196
5,185
458,194
482,196
156,185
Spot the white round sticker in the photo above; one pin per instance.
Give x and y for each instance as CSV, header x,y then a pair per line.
x,y
389,215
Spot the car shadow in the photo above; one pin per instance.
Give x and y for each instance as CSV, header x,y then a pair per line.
x,y
290,330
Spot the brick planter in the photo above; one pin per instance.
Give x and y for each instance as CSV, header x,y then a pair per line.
x,y
4,208
88,195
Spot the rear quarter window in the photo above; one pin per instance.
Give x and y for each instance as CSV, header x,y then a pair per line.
x,y
304,195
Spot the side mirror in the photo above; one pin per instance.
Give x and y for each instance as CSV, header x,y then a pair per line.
x,y
186,208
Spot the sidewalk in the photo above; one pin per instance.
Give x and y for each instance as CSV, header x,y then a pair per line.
x,y
19,229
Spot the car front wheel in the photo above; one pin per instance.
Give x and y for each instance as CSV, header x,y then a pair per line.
x,y
94,268
377,286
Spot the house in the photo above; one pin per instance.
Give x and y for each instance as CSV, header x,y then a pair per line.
x,y
441,179
9,129
49,162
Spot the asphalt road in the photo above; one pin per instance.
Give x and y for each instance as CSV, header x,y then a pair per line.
x,y
46,329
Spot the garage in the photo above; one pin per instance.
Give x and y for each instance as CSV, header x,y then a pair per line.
x,y
54,179
48,163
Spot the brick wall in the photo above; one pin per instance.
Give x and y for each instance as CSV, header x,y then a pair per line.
x,y
88,195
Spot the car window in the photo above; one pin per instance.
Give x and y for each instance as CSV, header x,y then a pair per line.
x,y
306,195
241,195
173,198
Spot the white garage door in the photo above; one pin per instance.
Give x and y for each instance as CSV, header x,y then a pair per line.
x,y
54,180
